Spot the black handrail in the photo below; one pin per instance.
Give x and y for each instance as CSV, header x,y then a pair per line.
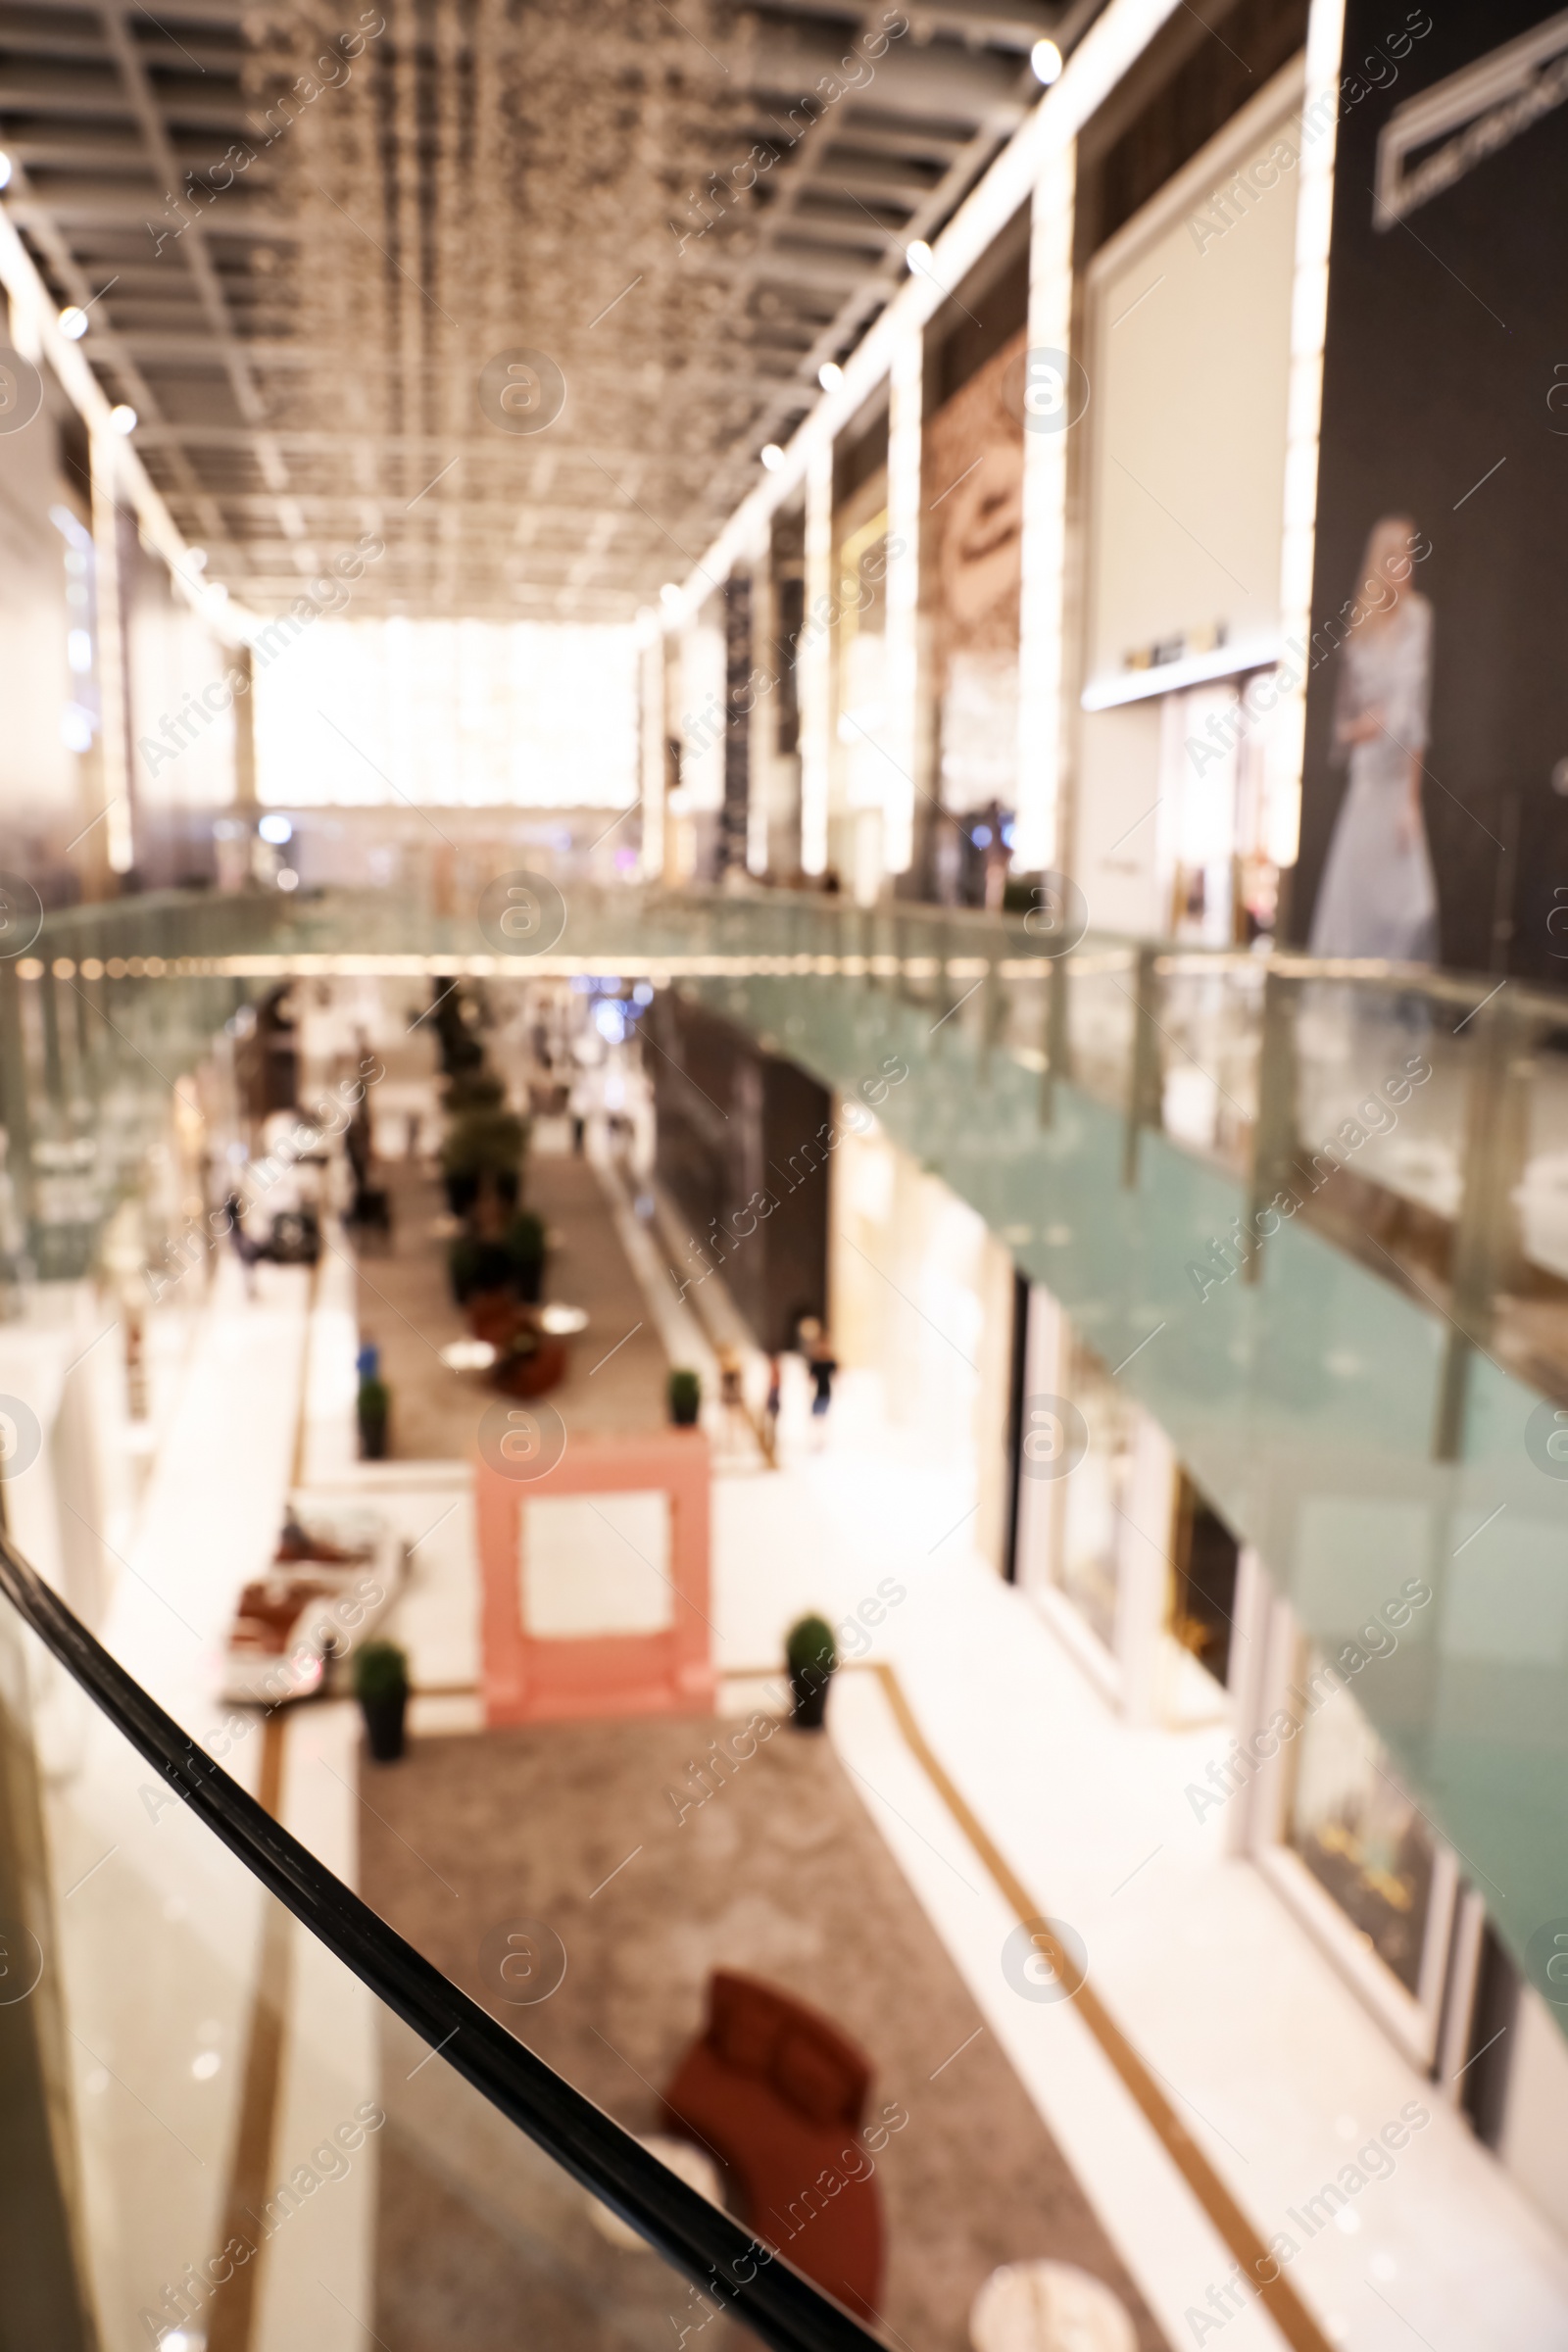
x,y
736,2270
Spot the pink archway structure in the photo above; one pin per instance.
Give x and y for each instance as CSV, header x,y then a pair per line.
x,y
595,1581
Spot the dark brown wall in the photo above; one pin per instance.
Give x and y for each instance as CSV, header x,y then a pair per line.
x,y
733,1124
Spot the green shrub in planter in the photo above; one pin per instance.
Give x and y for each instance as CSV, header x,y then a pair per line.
x,y
464,1268
374,1405
812,1656
515,1263
486,1140
685,1399
525,1238
381,1686
473,1089
525,1252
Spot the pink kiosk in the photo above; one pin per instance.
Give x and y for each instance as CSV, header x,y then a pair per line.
x,y
595,1581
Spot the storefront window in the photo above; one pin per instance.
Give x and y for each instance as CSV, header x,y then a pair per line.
x,y
1360,1835
974,497
864,721
1097,1495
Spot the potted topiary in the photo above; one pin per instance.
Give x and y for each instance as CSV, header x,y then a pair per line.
x,y
381,1686
483,1150
812,1656
525,1250
512,1266
373,1406
685,1399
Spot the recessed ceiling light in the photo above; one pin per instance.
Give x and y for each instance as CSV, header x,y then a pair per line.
x,y
73,322
123,417
829,374
918,255
196,558
1046,59
670,594
772,456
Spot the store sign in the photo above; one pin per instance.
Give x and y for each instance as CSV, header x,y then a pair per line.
x,y
1484,107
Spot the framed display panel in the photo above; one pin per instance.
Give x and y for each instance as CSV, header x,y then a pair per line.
x,y
595,1581
1334,1831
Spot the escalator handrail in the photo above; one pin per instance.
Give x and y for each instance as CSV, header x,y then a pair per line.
x,y
695,2236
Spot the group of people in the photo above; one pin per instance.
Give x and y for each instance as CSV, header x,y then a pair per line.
x,y
821,1366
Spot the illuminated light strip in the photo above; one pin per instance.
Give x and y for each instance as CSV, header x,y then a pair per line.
x,y
303,965
1314,212
1042,615
1083,963
902,650
817,663
1113,43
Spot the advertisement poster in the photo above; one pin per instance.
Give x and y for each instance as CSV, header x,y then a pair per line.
x,y
1435,802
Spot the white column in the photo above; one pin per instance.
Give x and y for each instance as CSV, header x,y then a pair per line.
x,y
764,722
114,763
654,726
817,663
901,654
1314,207
1043,710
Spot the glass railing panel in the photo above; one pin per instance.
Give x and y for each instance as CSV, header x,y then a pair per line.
x,y
1209,1012
243,2146
1024,1016
1382,1087
1101,1021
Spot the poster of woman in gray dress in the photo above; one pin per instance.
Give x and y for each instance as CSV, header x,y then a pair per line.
x,y
1378,896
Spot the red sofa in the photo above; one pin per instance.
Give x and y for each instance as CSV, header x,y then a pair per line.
x,y
773,2090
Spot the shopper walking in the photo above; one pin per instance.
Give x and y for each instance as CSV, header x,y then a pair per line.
x,y
770,1409
245,1249
731,1395
821,1366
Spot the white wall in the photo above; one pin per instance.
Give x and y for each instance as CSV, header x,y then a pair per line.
x,y
1535,2132
1187,351
921,1297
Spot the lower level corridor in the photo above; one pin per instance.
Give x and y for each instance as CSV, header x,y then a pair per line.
x,y
1219,2075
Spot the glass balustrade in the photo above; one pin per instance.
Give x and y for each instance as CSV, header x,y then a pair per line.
x,y
237,2121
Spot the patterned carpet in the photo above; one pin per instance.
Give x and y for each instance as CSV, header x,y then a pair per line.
x,y
779,1873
